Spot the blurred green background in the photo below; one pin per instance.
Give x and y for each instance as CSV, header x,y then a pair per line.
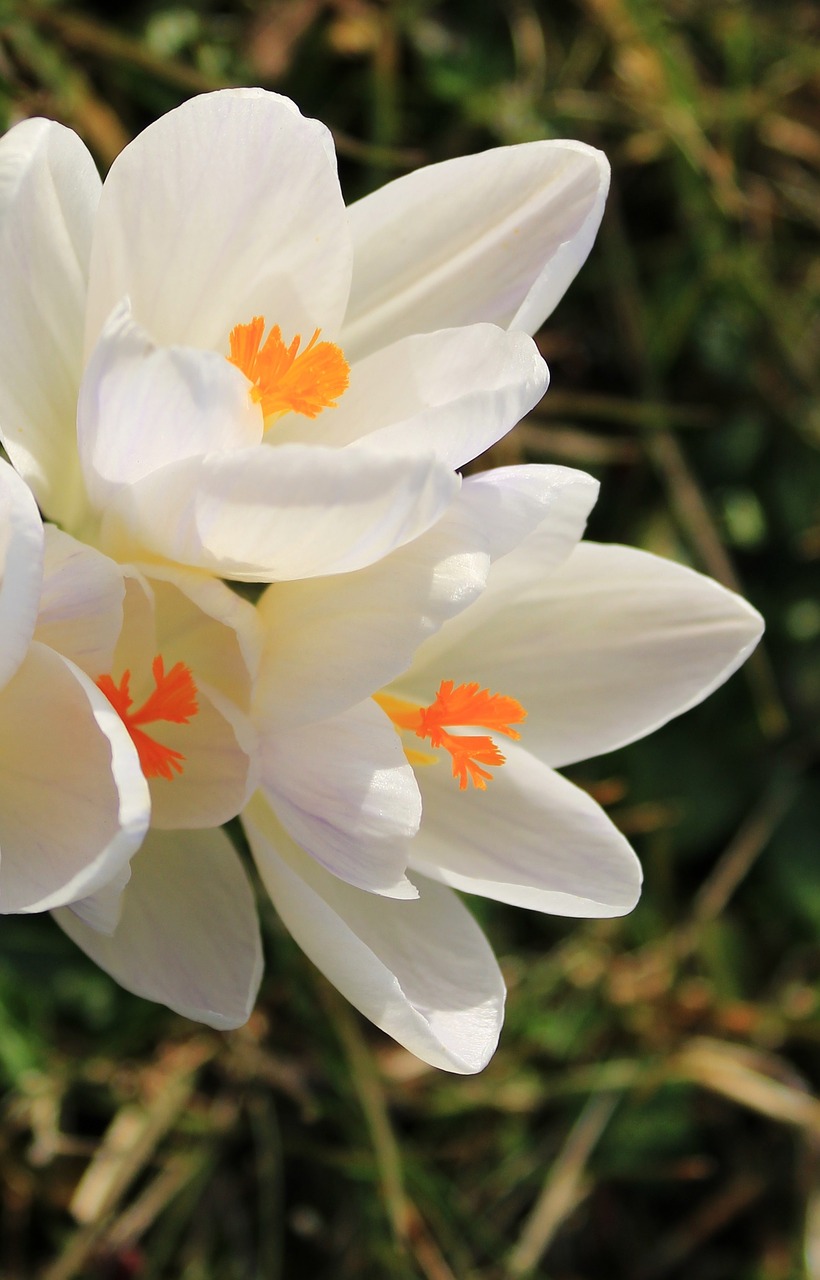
x,y
649,1114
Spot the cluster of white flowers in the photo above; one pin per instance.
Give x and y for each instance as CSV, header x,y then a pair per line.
x,y
213,371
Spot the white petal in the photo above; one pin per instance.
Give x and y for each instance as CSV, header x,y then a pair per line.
x,y
142,407
218,746
265,514
537,514
73,802
218,743
226,208
330,642
344,791
188,935
50,190
422,971
532,839
549,503
206,625
101,911
137,645
497,236
453,393
21,569
81,605
606,649
18,150
665,637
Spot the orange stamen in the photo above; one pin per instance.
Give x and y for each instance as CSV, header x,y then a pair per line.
x,y
285,381
173,700
460,706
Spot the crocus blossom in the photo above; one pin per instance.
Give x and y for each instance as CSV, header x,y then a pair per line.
x,y
124,705
215,297
74,805
179,924
569,649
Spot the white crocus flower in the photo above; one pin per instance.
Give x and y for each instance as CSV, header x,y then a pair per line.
x,y
74,805
126,702
578,648
223,223
331,764
183,928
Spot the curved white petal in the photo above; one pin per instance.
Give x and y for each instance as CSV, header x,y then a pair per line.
x,y
539,514
81,604
532,839
422,970
497,236
138,644
265,514
50,190
452,393
667,637
344,791
218,775
604,650
550,503
217,744
101,911
226,208
188,935
21,569
329,642
203,623
142,407
74,805
18,151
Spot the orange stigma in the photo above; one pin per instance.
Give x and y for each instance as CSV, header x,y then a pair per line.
x,y
460,706
173,700
285,381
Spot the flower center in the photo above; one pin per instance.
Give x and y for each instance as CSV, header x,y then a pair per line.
x,y
462,706
173,700
284,379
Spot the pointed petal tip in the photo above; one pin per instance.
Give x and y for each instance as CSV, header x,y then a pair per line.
x,y
188,936
421,971
471,1055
